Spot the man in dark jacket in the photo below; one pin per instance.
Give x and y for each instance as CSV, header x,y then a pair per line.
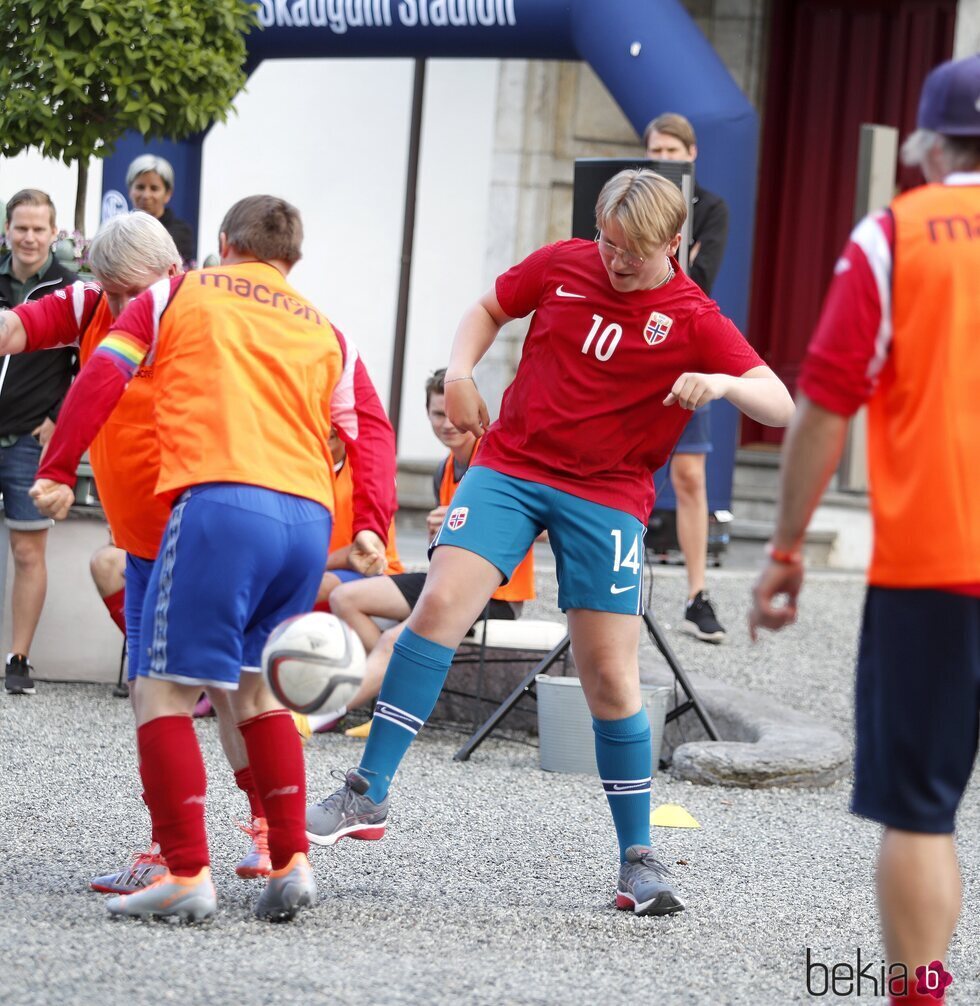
x,y
32,386
670,137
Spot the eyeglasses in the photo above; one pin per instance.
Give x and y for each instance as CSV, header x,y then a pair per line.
x,y
628,258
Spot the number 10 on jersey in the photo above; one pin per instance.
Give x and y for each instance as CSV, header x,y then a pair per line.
x,y
608,339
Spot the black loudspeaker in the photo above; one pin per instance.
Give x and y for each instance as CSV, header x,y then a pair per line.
x,y
661,539
591,173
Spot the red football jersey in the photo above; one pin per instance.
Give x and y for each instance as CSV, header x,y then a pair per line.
x,y
585,411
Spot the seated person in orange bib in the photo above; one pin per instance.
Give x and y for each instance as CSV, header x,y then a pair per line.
x,y
621,349
338,569
128,254
108,568
247,378
393,597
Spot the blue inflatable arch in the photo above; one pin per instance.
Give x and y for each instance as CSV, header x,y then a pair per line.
x,y
650,56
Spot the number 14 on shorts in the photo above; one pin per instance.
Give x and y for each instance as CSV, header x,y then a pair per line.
x,y
632,559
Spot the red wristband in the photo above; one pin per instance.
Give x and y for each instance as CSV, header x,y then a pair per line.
x,y
783,556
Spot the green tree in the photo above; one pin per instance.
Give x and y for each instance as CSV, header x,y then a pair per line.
x,y
75,75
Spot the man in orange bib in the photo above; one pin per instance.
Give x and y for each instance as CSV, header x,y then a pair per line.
x,y
247,378
899,330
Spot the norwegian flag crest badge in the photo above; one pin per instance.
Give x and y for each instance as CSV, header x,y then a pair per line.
x,y
457,518
657,328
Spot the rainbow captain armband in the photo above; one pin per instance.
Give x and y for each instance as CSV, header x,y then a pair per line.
x,y
125,351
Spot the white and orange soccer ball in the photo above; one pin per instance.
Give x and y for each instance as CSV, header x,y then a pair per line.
x,y
313,663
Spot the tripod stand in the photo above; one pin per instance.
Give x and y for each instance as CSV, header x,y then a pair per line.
x,y
526,687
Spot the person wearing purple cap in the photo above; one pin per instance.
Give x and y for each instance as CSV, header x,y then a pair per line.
x,y
898,331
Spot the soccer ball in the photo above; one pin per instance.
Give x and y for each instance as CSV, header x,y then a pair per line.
x,y
313,663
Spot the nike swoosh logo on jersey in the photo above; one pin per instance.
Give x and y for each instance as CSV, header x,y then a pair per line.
x,y
621,590
567,293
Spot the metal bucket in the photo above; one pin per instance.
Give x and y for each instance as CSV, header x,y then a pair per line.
x,y
566,740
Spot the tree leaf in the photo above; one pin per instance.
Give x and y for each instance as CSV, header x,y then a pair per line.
x,y
76,75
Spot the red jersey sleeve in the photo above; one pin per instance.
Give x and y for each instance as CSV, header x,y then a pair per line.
x,y
102,381
519,290
721,347
358,416
88,404
133,338
851,342
60,318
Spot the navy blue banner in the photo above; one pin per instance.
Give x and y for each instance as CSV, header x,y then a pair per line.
x,y
534,29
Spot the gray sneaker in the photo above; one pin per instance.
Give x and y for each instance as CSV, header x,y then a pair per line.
x,y
348,813
643,887
287,891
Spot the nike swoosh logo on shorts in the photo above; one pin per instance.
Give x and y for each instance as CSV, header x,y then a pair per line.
x,y
621,590
566,293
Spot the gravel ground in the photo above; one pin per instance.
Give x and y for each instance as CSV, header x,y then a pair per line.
x,y
495,882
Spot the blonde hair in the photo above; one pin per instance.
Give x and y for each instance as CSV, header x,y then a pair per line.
x,y
649,208
673,125
132,249
265,226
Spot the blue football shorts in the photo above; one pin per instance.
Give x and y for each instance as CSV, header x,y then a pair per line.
x,y
235,561
345,575
598,550
137,578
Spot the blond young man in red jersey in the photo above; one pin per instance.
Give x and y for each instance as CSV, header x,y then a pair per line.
x,y
621,347
899,331
247,379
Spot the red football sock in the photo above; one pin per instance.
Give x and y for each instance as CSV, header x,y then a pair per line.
x,y
174,782
153,830
116,605
322,606
275,755
247,785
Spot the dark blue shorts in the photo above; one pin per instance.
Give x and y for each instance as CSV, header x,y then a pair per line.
x,y
917,707
235,561
696,437
18,471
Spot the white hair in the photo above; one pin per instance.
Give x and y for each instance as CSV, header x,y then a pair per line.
x,y
958,153
132,249
151,162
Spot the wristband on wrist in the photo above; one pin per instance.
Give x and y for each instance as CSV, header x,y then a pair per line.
x,y
789,558
453,380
